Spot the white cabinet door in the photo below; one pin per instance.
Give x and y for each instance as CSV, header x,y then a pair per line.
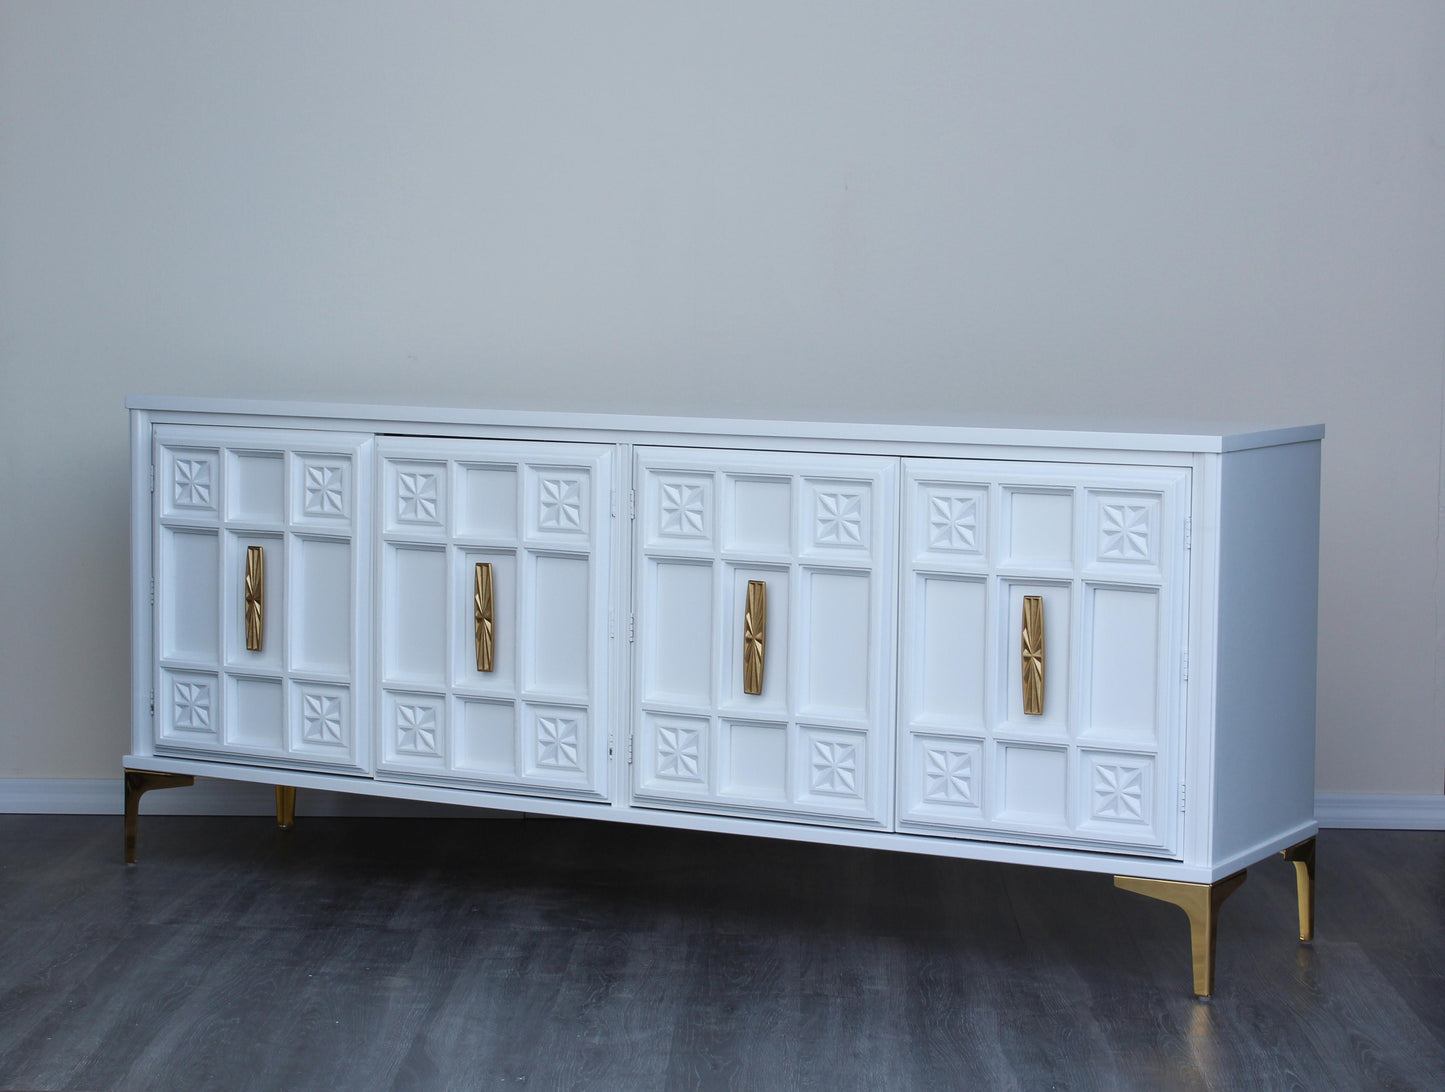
x,y
268,523
815,535
537,518
1101,552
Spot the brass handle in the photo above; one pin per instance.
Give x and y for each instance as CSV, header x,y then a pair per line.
x,y
255,596
755,636
1033,654
483,605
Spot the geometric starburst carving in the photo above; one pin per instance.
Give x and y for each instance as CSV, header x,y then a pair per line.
x,y
416,497
833,767
193,483
325,490
684,510
679,752
558,742
1118,792
1124,531
191,706
952,522
839,519
320,718
948,776
416,729
561,504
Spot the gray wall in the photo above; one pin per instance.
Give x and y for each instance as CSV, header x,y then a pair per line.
x,y
775,208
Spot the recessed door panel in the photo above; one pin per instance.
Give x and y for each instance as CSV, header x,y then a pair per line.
x,y
415,634
951,633
560,606
260,575
678,659
838,622
765,629
321,637
1122,653
513,658
188,591
1043,652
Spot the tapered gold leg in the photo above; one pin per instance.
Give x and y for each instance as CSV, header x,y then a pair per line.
x,y
1201,901
137,783
1303,856
285,807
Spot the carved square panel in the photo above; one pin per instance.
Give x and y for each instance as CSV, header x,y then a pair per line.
x,y
1118,789
1124,528
414,729
416,497
322,488
188,708
188,482
834,766
555,741
950,772
678,510
951,520
838,516
558,503
677,751
320,719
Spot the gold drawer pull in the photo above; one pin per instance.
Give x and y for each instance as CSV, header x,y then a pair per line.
x,y
755,636
1033,655
483,604
255,597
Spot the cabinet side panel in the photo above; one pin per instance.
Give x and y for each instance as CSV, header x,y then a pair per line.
x,y
1264,749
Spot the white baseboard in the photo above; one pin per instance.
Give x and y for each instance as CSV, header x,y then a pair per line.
x,y
106,796
1382,811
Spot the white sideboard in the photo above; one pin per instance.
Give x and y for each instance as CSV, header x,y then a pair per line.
x,y
1074,647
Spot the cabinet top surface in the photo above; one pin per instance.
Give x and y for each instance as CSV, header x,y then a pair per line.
x,y
999,430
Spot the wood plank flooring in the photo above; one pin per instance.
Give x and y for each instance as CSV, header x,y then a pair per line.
x,y
424,954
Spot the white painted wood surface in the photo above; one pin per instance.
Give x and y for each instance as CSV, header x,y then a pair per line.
x,y
1176,740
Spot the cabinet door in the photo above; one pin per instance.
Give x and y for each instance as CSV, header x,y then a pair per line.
x,y
530,713
1092,561
268,524
813,535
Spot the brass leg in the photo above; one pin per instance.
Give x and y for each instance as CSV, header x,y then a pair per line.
x,y
138,782
1201,901
1303,856
285,807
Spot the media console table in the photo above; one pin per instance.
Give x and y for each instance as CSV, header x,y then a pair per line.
x,y
1074,648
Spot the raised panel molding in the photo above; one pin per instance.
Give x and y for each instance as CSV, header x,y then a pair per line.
x,y
417,496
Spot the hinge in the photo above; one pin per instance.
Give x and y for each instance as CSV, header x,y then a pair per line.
x,y
1189,534
153,591
629,750
631,628
632,504
611,623
614,503
1186,665
153,479
609,744
1183,792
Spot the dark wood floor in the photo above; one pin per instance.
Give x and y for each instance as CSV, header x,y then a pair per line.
x,y
473,954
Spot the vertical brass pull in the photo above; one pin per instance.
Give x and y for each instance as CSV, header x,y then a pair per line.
x,y
483,605
255,596
755,636
1033,654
